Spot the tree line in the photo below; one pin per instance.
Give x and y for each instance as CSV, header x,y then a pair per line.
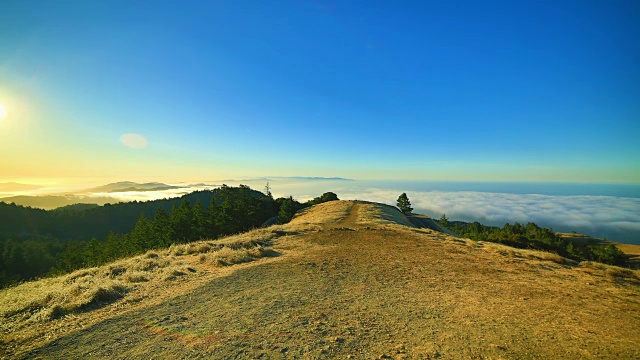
x,y
532,236
34,252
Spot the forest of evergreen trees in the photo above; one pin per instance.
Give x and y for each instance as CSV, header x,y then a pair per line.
x,y
35,242
531,236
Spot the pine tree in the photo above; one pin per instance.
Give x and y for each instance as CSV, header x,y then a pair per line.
x,y
403,204
287,210
113,246
161,228
199,220
94,253
267,191
181,222
213,213
141,237
444,221
225,219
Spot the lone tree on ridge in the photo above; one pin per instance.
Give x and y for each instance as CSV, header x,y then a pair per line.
x,y
444,221
403,204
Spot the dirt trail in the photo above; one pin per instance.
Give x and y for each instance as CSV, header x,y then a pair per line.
x,y
351,221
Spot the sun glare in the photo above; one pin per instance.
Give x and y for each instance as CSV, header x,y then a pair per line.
x,y
3,112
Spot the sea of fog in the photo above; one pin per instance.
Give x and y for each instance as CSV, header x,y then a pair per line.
x,y
610,211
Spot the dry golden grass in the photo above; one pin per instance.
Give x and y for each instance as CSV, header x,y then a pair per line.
x,y
526,254
613,272
629,249
30,309
325,213
349,283
372,214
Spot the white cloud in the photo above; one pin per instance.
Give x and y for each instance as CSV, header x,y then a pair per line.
x,y
134,141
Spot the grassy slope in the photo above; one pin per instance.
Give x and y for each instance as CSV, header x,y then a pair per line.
x,y
348,281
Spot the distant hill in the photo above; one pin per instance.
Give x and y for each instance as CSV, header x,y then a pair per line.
x,y
76,207
310,178
126,186
14,186
48,202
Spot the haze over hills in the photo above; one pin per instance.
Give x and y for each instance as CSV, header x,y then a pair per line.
x,y
125,186
50,202
100,195
14,186
343,279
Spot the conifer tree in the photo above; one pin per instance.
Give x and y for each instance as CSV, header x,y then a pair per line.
x,y
444,221
213,213
199,221
161,228
180,220
267,191
403,204
94,253
141,236
287,210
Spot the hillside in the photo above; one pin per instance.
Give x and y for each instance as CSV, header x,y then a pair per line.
x,y
341,280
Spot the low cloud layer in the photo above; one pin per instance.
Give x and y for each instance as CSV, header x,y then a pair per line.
x,y
615,218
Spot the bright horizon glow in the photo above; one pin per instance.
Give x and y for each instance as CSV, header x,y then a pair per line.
x,y
541,91
3,112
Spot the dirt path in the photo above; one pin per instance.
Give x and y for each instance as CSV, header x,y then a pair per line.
x,y
351,221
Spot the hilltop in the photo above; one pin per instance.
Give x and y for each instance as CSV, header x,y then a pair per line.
x,y
343,279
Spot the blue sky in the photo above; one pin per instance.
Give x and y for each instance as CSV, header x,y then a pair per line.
x,y
469,90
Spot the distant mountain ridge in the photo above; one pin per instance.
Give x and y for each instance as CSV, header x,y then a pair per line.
x,y
309,178
49,202
14,186
126,186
